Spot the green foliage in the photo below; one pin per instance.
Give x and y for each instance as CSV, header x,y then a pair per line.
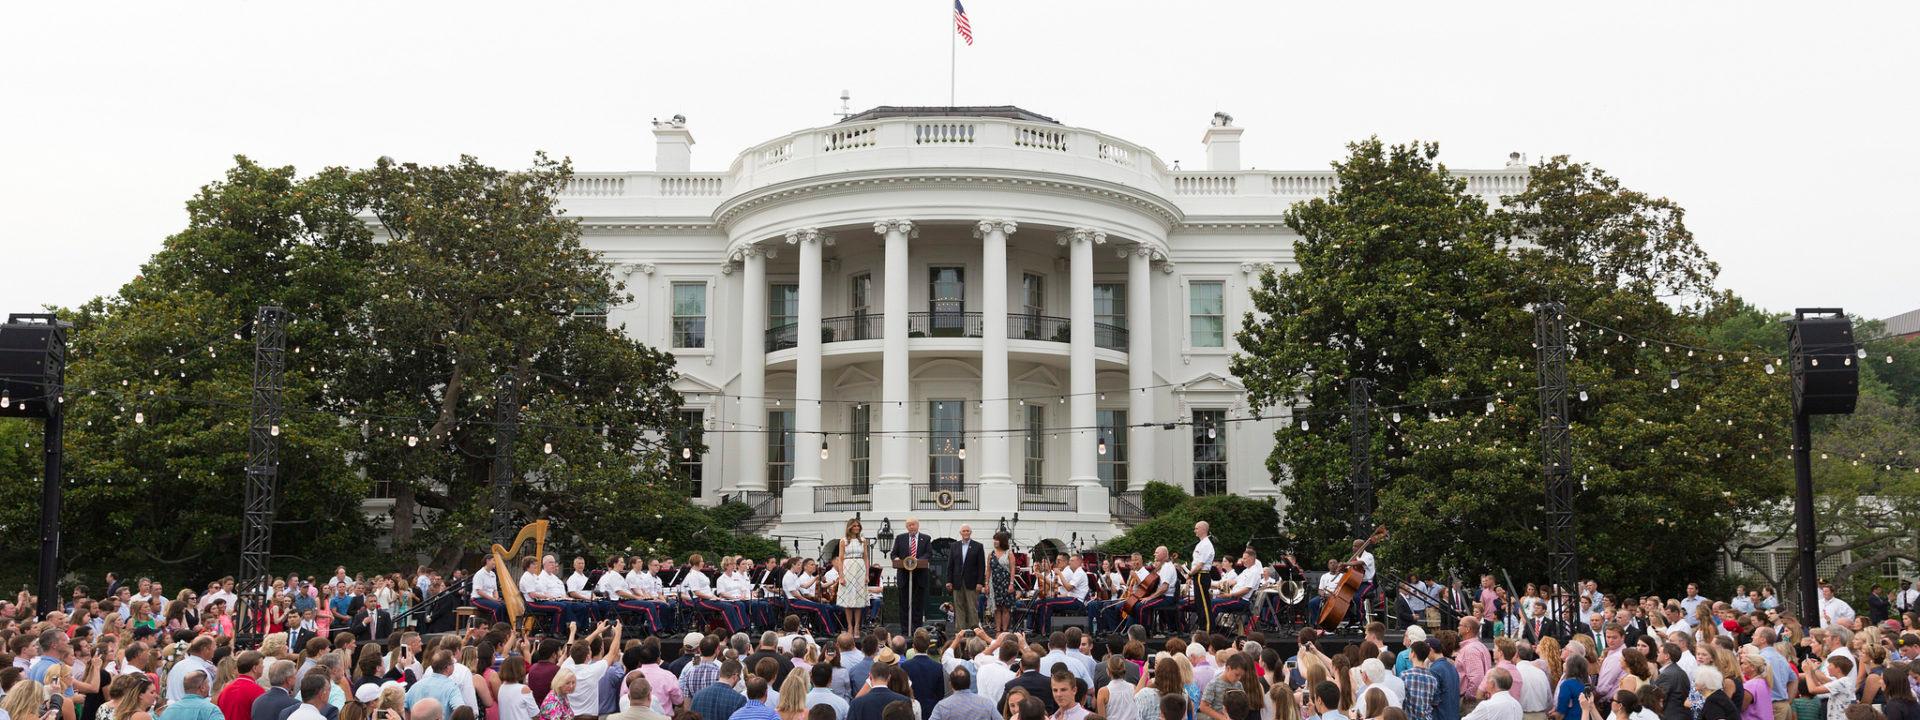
x,y
1160,497
398,353
1232,519
1406,281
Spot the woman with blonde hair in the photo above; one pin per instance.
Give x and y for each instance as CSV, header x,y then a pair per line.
x,y
793,697
556,707
59,686
851,563
130,697
25,700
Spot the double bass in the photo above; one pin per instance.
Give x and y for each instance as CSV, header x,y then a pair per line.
x,y
1335,608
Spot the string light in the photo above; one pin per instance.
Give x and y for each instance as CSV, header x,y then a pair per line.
x,y
274,430
6,399
823,450
962,454
547,448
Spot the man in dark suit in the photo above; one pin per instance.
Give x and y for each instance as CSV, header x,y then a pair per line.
x,y
1674,683
1030,679
966,578
871,705
912,585
925,675
1539,626
279,694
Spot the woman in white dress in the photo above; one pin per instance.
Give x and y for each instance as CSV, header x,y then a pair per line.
x,y
852,565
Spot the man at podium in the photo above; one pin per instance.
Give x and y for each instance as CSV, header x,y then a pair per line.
x,y
911,550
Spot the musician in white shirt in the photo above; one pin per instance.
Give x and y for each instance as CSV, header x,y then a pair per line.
x,y
798,584
703,594
1106,613
1069,593
544,593
1234,589
646,596
486,592
1201,571
580,590
1166,597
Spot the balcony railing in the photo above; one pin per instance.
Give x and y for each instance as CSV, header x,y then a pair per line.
x,y
841,498
834,329
947,496
1051,498
1127,507
1020,326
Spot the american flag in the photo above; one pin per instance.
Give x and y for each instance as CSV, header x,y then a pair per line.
x,y
960,24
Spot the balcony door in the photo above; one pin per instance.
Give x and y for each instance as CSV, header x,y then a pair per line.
x,y
947,301
1033,304
860,301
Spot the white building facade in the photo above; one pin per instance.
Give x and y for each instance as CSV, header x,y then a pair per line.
x,y
956,314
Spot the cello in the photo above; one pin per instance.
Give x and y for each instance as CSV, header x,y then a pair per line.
x,y
1334,610
1141,589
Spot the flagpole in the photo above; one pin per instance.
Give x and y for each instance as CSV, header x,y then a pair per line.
x,y
953,53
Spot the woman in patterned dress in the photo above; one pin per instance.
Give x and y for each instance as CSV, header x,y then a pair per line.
x,y
1000,567
852,566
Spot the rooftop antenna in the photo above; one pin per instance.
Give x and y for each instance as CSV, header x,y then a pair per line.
x,y
845,111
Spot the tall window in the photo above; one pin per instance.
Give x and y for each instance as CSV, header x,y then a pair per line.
x,y
860,447
860,301
689,315
693,467
947,426
783,315
1110,304
1036,466
947,300
1113,465
1033,304
1209,452
779,449
1206,313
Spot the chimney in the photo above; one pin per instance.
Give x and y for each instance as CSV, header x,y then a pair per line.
x,y
1223,143
673,145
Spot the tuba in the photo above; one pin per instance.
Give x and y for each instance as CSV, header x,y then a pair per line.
x,y
503,560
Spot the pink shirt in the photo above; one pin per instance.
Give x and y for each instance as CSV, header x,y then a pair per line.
x,y
1473,661
666,687
1762,706
1488,600
1512,672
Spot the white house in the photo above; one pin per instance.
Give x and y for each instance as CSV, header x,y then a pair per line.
x,y
954,313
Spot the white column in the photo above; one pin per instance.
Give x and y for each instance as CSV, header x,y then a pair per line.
x,y
1082,470
1141,466
996,471
891,490
753,368
806,383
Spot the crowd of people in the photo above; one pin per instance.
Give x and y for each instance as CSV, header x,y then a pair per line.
x,y
656,641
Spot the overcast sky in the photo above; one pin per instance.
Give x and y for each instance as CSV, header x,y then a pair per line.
x,y
1787,130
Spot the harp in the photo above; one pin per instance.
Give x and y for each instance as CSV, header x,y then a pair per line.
x,y
502,567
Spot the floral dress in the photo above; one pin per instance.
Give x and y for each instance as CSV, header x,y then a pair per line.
x,y
555,708
1002,581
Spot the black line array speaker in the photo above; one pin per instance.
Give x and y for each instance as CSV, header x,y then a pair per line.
x,y
32,364
1826,375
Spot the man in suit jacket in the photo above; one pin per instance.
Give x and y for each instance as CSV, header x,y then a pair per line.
x,y
1539,625
279,696
1674,683
871,705
925,676
912,585
966,578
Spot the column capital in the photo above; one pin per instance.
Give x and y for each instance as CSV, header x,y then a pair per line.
x,y
752,249
1088,235
1006,227
809,235
628,269
1255,267
1140,250
896,225
1166,267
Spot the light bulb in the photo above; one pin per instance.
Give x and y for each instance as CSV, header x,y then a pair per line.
x,y
1102,447
1212,432
1816,362
273,430
6,399
1305,426
1769,368
413,440
1861,353
963,451
823,450
547,448
686,453
1396,417
1489,408
1583,396
1674,382
139,418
